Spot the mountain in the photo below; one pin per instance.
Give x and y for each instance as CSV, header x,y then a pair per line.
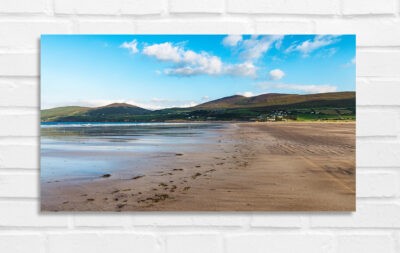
x,y
111,112
333,105
272,99
117,109
55,113
225,102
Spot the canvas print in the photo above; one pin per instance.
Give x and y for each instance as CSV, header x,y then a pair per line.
x,y
197,123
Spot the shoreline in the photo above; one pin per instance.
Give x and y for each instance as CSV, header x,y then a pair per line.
x,y
249,166
198,122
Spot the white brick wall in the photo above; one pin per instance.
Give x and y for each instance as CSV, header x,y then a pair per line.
x,y
373,228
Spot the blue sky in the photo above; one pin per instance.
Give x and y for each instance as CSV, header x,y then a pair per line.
x,y
160,71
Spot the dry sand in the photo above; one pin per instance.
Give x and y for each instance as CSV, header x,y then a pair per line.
x,y
249,167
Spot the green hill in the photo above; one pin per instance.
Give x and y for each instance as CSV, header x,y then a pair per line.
x,y
112,112
274,99
54,113
272,106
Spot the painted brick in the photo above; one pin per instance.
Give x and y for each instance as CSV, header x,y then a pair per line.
x,y
143,7
369,122
101,220
196,243
23,6
318,7
193,27
351,243
375,154
27,214
19,124
372,228
102,242
283,27
370,32
19,64
19,93
355,7
371,215
377,184
378,63
19,185
200,6
19,156
22,243
106,27
26,34
378,92
278,242
107,7
276,220
200,219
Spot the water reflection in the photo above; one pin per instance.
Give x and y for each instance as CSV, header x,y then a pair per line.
x,y
74,150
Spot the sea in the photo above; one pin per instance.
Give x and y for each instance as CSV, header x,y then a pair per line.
x,y
85,151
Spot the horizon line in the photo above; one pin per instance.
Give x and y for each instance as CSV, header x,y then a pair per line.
x,y
193,105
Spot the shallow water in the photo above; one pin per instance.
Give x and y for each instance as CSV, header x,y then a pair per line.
x,y
71,151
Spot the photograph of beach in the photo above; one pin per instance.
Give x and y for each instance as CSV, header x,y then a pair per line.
x,y
197,123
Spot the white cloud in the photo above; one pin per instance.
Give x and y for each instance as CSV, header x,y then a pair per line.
x,y
276,74
246,94
241,69
196,64
152,104
255,47
350,63
190,104
187,62
190,63
309,88
164,52
308,46
131,46
231,40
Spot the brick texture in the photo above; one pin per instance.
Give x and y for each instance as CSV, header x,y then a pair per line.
x,y
374,227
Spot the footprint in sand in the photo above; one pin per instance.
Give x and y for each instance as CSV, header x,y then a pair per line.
x,y
196,175
137,177
121,205
173,188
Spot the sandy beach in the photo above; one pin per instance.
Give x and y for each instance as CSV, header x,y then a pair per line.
x,y
243,167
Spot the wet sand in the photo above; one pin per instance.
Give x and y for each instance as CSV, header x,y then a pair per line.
x,y
246,167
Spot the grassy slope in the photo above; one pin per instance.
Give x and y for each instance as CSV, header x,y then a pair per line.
x,y
273,99
328,105
54,113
